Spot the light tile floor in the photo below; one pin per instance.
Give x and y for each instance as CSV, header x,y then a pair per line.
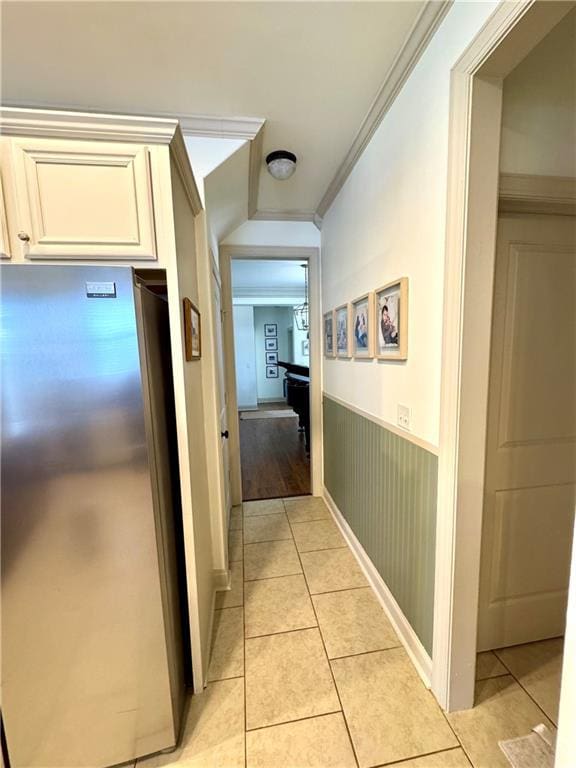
x,y
307,672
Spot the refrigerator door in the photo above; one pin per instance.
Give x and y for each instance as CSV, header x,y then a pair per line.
x,y
85,672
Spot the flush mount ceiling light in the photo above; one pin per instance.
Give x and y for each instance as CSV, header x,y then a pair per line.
x,y
281,164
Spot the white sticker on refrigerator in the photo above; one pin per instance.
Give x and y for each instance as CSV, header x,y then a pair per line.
x,y
101,290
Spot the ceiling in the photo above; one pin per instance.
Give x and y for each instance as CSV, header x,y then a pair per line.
x,y
310,69
272,278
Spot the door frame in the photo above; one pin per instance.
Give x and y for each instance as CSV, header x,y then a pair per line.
x,y
283,253
509,34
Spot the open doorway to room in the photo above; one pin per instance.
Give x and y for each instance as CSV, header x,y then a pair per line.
x,y
530,477
272,365
508,447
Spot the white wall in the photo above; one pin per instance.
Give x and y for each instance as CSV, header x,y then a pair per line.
x,y
282,233
388,221
245,356
539,107
297,339
271,389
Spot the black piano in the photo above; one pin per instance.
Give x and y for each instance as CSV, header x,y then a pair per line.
x,y
297,394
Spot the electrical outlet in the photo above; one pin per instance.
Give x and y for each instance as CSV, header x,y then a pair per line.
x,y
403,416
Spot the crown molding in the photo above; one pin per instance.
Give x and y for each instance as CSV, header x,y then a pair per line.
x,y
284,216
68,124
246,128
255,166
294,252
182,161
426,24
525,193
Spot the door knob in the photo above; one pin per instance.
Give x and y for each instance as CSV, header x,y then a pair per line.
x,y
224,434
24,236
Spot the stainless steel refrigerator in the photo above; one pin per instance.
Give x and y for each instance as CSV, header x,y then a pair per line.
x,y
93,637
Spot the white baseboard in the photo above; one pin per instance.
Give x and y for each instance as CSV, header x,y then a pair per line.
x,y
402,627
221,579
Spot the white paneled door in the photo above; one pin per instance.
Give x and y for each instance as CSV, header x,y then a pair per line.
x,y
530,485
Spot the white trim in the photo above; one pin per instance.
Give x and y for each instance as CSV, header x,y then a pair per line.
x,y
222,580
56,124
409,639
182,163
284,216
286,252
509,34
411,438
191,125
426,24
296,253
254,169
525,193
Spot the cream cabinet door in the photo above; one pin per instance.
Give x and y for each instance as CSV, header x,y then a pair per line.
x,y
4,239
84,200
530,488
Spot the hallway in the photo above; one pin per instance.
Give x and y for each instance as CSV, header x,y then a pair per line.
x,y
273,455
306,670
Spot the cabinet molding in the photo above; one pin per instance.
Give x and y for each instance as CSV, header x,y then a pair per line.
x,y
84,199
4,238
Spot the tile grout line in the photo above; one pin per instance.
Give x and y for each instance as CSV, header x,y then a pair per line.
x,y
417,757
244,645
297,720
513,676
458,739
327,658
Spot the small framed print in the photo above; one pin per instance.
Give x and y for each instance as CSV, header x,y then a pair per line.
x,y
270,329
271,345
305,348
362,329
329,334
192,331
391,311
271,371
342,319
271,358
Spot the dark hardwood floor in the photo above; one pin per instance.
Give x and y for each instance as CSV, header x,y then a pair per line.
x,y
273,459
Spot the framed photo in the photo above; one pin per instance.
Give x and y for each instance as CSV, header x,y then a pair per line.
x,y
271,371
329,334
270,329
271,358
271,345
305,347
342,315
391,319
192,331
362,328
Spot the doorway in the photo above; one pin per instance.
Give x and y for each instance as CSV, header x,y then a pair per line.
x,y
272,366
489,411
292,465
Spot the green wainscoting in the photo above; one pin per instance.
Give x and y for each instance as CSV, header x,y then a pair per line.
x,y
385,486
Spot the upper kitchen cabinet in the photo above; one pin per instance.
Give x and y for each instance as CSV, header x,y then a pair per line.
x,y
83,200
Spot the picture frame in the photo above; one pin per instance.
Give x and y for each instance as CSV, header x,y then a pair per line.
x,y
391,320
271,345
342,326
362,327
271,371
328,329
306,347
192,331
271,358
270,329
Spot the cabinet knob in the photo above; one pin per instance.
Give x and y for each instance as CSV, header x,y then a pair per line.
x,y
23,236
225,434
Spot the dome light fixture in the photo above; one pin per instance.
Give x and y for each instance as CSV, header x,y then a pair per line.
x,y
281,164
